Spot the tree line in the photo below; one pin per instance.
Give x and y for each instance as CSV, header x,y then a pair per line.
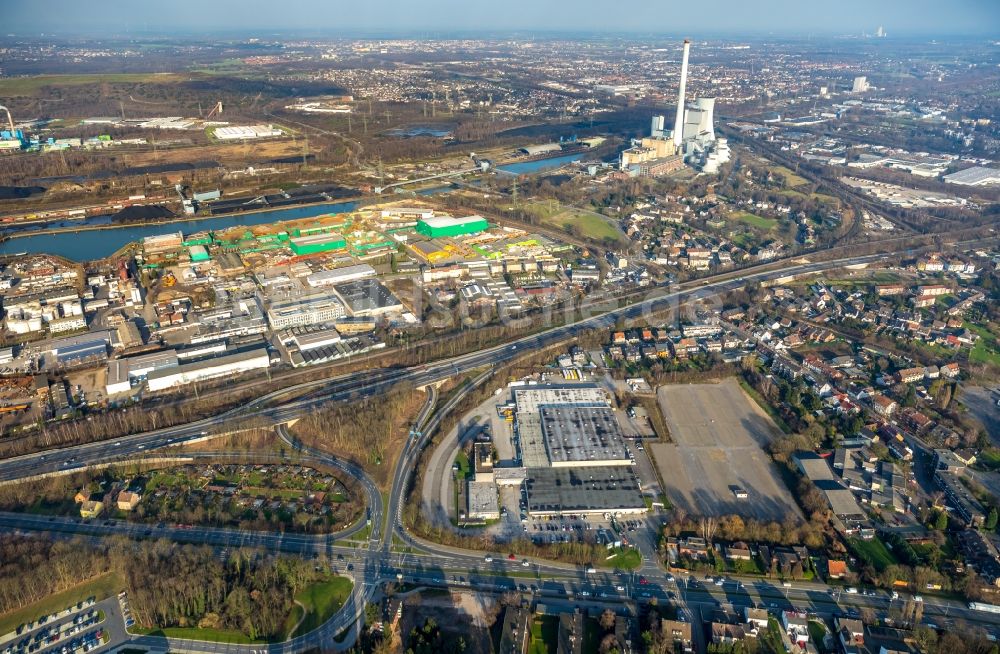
x,y
169,585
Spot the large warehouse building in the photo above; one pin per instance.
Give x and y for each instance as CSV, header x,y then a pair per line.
x,y
438,226
315,243
573,452
311,310
223,366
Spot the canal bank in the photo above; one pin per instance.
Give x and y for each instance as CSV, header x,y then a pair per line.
x,y
97,237
98,241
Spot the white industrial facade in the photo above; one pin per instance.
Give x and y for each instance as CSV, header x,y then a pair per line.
x,y
224,366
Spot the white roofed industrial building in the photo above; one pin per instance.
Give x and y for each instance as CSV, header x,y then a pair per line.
x,y
975,176
233,364
340,275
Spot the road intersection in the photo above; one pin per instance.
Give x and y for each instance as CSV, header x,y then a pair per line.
x,y
376,561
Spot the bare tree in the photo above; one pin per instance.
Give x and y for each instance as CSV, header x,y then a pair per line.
x,y
607,620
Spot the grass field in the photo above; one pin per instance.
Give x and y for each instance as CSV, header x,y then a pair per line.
x,y
588,224
544,635
986,349
791,179
31,85
752,219
873,552
625,559
989,458
321,600
99,587
196,633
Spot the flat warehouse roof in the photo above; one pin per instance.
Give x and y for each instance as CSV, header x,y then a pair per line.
x,y
530,399
366,295
448,221
583,436
583,490
529,431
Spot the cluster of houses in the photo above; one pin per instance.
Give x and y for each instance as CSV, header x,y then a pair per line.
x,y
95,500
706,336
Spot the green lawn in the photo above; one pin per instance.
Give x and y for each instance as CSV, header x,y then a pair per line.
x,y
873,552
31,85
752,219
817,632
989,458
322,600
791,179
625,559
587,224
99,587
986,349
544,635
196,633
464,469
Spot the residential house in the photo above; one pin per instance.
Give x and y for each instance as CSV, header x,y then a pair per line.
x,y
515,631
127,500
739,551
727,634
678,632
756,618
836,569
570,638
91,509
884,406
850,634
796,625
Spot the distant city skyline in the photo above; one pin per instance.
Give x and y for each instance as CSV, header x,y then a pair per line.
x,y
900,18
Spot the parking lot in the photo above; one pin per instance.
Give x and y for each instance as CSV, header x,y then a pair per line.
x,y
79,628
718,450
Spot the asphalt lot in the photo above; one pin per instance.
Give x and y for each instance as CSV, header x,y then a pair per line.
x,y
719,435
70,629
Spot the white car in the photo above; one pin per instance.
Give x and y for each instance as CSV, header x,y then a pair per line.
x,y
488,559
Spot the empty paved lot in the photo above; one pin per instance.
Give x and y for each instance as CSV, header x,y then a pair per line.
x,y
719,438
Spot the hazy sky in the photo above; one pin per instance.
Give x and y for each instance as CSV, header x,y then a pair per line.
x,y
900,17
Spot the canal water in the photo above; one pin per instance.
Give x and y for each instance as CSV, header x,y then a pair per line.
x,y
539,165
97,244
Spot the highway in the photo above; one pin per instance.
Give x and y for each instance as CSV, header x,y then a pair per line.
x,y
349,387
375,562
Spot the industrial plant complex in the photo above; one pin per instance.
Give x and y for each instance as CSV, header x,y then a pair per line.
x,y
692,139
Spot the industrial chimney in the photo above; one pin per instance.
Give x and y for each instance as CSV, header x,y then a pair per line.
x,y
679,120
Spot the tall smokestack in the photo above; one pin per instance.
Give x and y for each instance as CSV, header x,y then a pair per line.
x,y
679,120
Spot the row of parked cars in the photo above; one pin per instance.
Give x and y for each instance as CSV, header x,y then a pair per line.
x,y
79,606
45,637
126,609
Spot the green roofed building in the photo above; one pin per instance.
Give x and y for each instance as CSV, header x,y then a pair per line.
x,y
317,243
198,253
439,226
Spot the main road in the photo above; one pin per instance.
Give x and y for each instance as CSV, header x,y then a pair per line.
x,y
373,383
374,562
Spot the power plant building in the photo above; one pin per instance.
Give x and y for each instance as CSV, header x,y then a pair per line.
x,y
692,138
438,226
